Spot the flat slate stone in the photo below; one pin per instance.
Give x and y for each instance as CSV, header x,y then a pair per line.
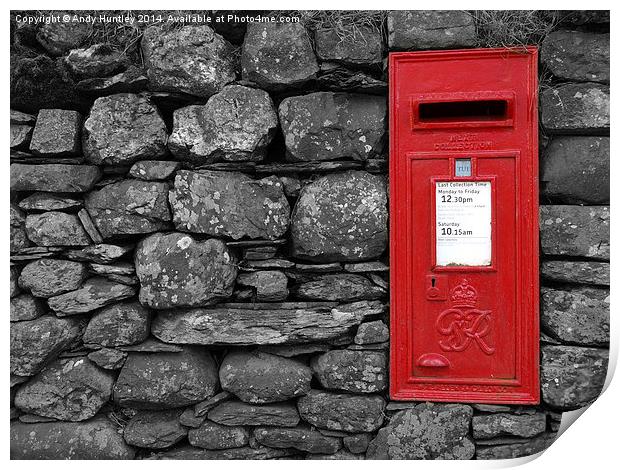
x,y
427,432
49,202
49,277
166,380
573,108
238,413
269,286
20,136
342,412
501,424
54,177
192,59
352,371
577,56
582,272
26,307
97,439
341,217
572,377
129,207
364,48
214,436
154,429
67,389
515,450
151,345
100,253
258,377
229,204
132,80
575,231
95,293
107,358
328,126
56,229
342,454
154,170
250,325
56,133
120,324
175,270
122,129
336,77
277,56
338,287
98,60
239,453
301,438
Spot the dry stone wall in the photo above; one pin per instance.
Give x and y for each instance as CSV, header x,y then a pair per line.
x,y
199,243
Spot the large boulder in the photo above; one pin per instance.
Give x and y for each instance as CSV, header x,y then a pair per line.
x,y
122,129
352,371
236,124
328,126
302,438
95,293
428,431
577,316
338,287
54,177
430,29
119,324
575,170
177,271
229,204
342,412
50,277
191,59
36,342
341,217
573,108
576,55
257,377
56,133
56,229
364,48
213,436
129,207
154,429
575,231
277,56
68,389
501,424
97,439
572,377
166,380
582,272
238,413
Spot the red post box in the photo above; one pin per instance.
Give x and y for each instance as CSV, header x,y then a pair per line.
x,y
464,226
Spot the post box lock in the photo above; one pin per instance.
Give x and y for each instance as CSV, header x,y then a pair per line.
x,y
436,287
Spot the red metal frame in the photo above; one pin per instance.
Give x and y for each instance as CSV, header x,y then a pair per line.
x,y
504,151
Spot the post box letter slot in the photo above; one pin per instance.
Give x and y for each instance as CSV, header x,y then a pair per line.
x,y
483,110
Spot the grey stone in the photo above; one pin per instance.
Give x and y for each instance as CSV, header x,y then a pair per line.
x,y
189,418
150,170
122,129
107,358
56,133
20,135
342,412
59,37
302,438
257,377
67,389
342,454
48,202
238,453
582,272
129,207
50,277
372,332
427,432
202,408
575,231
236,124
26,307
515,450
191,59
296,349
486,408
352,371
270,286
367,267
98,60
120,324
578,316
54,177
101,253
229,204
215,436
13,276
17,117
328,126
154,429
95,293
132,80
338,287
261,324
89,226
583,17
97,439
166,380
576,55
292,185
34,343
572,377
238,413
357,443
18,233
430,29
499,424
152,345
575,170
56,229
278,56
364,48
341,217
336,77
272,263
573,108
177,271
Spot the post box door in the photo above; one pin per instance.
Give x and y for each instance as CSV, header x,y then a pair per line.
x,y
463,202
